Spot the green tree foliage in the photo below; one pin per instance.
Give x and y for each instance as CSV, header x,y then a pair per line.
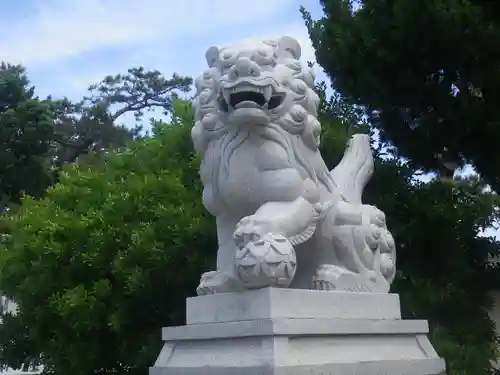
x,y
25,136
107,258
38,137
110,253
427,72
80,129
443,261
444,273
92,125
137,91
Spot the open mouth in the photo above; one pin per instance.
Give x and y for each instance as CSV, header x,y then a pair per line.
x,y
249,97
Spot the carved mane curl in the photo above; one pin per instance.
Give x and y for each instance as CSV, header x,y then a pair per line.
x,y
297,130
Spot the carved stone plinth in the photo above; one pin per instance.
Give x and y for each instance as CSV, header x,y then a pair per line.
x,y
297,332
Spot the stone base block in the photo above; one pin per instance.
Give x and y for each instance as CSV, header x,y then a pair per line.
x,y
274,303
269,331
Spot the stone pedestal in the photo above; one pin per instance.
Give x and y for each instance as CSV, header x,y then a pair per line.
x,y
297,332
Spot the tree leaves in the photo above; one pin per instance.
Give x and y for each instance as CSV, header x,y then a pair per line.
x,y
444,274
38,137
26,129
137,91
427,72
106,258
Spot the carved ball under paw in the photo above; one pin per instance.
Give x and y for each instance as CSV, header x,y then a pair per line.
x,y
269,261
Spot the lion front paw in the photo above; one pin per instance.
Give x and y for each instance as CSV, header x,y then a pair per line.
x,y
251,229
217,282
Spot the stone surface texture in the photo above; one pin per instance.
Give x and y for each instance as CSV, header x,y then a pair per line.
x,y
303,266
273,303
269,331
283,219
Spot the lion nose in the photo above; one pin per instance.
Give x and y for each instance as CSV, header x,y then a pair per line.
x,y
244,67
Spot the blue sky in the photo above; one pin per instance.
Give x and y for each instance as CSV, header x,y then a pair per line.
x,y
68,45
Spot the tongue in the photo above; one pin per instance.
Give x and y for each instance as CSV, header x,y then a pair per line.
x,y
246,104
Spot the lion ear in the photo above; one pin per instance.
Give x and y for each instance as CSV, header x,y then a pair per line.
x,y
288,47
212,55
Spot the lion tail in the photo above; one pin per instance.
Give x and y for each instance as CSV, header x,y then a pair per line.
x,y
355,169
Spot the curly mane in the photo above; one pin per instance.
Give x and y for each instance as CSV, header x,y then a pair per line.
x,y
297,130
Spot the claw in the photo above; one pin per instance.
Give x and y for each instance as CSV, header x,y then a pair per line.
x,y
216,282
330,277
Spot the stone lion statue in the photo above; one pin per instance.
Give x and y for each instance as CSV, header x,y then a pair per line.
x,y
283,219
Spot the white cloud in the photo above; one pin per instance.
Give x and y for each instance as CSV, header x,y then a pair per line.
x,y
159,56
61,29
80,83
68,46
191,62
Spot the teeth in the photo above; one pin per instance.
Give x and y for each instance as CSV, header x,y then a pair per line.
x,y
240,88
267,91
227,94
263,90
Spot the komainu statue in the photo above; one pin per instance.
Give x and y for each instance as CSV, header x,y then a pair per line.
x,y
283,219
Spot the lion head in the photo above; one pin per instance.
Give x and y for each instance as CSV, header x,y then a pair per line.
x,y
258,87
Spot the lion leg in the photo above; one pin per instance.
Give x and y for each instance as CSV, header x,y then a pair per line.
x,y
266,241
224,278
348,245
295,220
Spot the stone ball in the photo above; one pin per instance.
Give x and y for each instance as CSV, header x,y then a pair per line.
x,y
269,261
